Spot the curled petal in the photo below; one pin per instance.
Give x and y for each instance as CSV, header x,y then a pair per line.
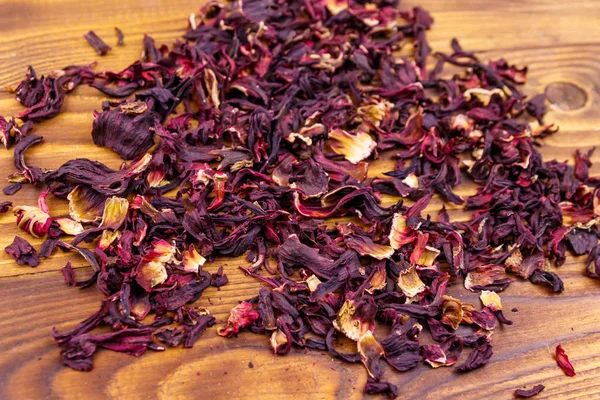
x,y
410,283
370,351
85,204
312,282
127,129
354,148
107,238
212,86
491,300
151,274
68,226
428,256
365,247
32,220
400,233
192,260
452,312
378,280
278,341
115,212
486,275
160,252
356,318
241,316
563,361
525,394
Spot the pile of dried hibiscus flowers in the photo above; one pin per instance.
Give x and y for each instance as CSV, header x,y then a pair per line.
x,y
247,136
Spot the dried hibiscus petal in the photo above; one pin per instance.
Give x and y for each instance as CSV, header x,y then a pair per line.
x,y
68,274
23,252
5,206
400,351
452,312
370,351
241,316
410,283
563,361
34,220
356,318
354,147
151,274
127,128
480,356
487,276
374,386
120,37
25,174
443,355
97,43
527,393
365,246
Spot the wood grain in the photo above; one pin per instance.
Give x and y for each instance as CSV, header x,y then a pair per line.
x,y
559,43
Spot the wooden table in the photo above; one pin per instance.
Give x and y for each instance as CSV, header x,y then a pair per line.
x,y
558,40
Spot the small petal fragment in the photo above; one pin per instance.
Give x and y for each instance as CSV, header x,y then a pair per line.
x,y
527,393
240,317
563,361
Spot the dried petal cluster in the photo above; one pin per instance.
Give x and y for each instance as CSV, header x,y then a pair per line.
x,y
246,137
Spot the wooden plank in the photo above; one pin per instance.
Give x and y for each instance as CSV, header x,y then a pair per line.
x,y
558,42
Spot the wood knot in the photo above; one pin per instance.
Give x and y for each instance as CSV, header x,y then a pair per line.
x,y
566,95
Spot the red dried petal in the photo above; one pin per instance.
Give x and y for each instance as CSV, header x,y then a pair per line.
x,y
563,361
